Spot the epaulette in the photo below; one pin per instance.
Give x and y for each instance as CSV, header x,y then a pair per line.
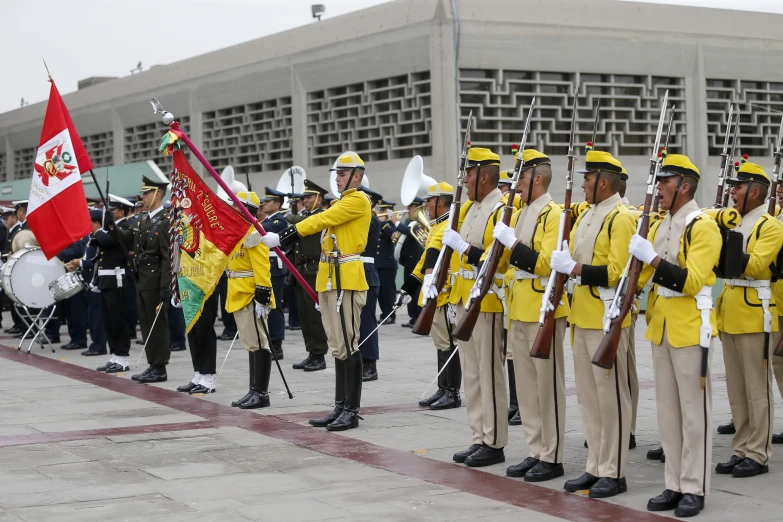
x,y
252,240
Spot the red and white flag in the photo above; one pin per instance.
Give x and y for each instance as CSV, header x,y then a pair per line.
x,y
57,211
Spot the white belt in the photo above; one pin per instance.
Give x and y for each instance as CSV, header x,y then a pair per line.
x,y
274,258
703,304
468,274
117,272
240,274
342,259
368,260
521,275
764,293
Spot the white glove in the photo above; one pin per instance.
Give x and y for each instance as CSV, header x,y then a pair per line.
x,y
318,307
562,261
403,298
614,312
262,311
504,234
451,314
271,240
642,249
427,290
452,239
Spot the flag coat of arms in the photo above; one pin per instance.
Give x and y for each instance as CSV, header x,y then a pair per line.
x,y
57,211
206,230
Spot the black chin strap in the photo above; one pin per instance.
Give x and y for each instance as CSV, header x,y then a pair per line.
x,y
475,189
530,188
745,201
676,192
595,187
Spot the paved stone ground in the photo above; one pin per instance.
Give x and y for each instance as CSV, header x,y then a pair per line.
x,y
79,445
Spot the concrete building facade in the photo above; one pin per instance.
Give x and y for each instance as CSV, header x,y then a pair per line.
x,y
400,78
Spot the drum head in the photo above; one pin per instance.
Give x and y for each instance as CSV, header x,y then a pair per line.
x,y
30,276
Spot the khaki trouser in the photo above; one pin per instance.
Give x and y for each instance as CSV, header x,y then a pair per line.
x,y
598,392
540,387
351,311
684,416
750,394
633,378
245,317
777,362
484,375
441,329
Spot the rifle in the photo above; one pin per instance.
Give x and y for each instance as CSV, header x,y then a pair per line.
x,y
441,270
657,200
626,288
542,346
486,274
724,160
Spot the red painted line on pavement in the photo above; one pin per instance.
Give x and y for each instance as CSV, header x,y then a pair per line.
x,y
573,507
62,436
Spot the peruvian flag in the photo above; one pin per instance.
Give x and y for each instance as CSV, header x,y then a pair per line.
x,y
57,209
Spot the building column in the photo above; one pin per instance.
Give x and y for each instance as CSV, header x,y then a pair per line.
x,y
118,139
696,140
9,160
445,130
196,133
299,120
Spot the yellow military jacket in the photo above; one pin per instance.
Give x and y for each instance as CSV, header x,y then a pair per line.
x,y
610,250
739,309
524,296
349,220
249,255
517,201
698,255
432,248
460,291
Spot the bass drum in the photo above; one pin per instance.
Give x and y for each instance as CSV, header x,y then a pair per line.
x,y
27,276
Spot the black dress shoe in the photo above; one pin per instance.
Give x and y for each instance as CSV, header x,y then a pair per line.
x,y
663,458
202,389
90,353
243,400
103,367
176,348
632,442
13,330
666,501
519,470
258,400
689,506
544,471
460,456
388,322
655,454
608,487
155,375
71,346
116,368
369,371
485,456
432,399
185,388
727,429
278,349
225,336
749,468
294,328
777,439
138,376
516,420
450,400
409,324
140,342
329,418
316,363
301,365
725,468
586,481
346,421
586,444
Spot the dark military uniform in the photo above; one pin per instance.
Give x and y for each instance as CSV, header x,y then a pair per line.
x,y
410,253
386,266
276,223
94,315
18,326
74,308
149,241
369,349
131,313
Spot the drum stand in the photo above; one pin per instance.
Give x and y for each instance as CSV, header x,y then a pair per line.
x,y
32,325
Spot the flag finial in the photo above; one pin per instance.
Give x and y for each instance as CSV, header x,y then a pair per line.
x,y
47,69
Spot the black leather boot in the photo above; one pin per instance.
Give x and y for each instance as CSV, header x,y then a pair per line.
x,y
461,456
252,372
349,418
689,506
513,405
544,471
655,453
369,371
586,481
608,487
485,456
453,380
727,429
339,397
260,398
725,468
315,363
277,346
301,365
666,501
442,376
519,470
156,374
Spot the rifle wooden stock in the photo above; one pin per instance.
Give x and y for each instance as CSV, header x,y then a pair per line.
x,y
542,346
464,328
423,324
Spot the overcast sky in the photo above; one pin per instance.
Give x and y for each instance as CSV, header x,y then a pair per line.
x,y
83,38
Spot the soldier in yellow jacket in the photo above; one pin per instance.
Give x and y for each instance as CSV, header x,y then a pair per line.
x,y
679,255
540,383
597,258
745,320
483,356
340,283
438,204
250,299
